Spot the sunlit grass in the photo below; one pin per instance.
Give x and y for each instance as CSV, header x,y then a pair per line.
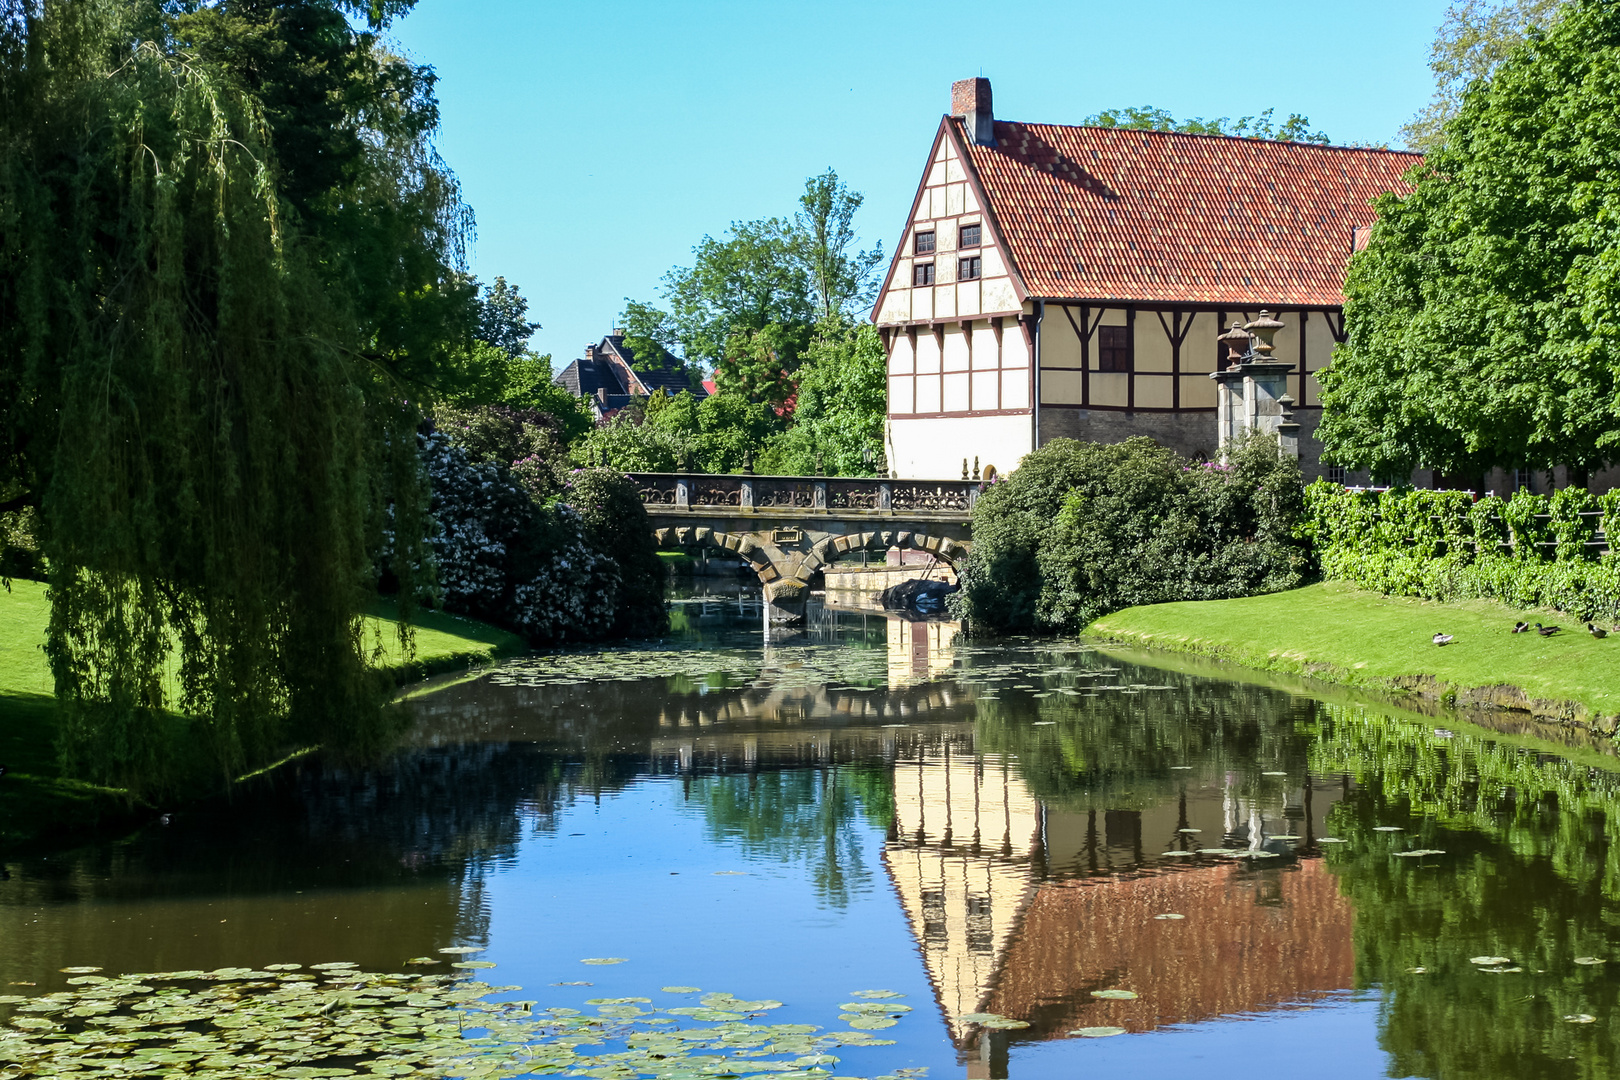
x,y
1361,638
36,798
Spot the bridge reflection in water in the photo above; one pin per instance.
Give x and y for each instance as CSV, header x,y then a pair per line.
x,y
1023,905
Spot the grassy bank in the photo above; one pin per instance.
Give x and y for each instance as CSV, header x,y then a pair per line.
x,y
1342,634
38,804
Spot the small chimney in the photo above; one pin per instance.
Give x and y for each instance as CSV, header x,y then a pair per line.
x,y
590,354
619,331
970,99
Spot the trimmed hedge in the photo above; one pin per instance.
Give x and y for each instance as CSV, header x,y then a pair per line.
x,y
1528,551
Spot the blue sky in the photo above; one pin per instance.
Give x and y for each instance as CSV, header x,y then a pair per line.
x,y
597,142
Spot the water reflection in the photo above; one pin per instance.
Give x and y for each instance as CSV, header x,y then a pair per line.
x,y
1004,828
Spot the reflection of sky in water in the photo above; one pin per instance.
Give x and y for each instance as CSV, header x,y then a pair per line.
x,y
982,827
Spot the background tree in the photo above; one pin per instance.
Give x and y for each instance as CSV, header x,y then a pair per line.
x,y
1295,128
840,408
1481,317
841,278
1473,39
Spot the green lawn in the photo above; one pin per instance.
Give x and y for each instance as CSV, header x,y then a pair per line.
x,y
36,800
1338,632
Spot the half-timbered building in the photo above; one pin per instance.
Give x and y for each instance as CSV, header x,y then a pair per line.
x,y
1063,281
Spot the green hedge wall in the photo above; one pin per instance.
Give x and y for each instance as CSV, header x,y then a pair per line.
x,y
1529,551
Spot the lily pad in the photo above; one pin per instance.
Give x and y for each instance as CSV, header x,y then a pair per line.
x,y
682,989
600,960
872,1023
468,964
1115,995
461,950
875,994
1005,1023
1169,915
1490,961
1580,1018
1097,1032
1590,961
80,970
422,961
1417,853
1388,828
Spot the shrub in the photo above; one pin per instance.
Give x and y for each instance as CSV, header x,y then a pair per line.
x,y
1527,551
545,570
1082,529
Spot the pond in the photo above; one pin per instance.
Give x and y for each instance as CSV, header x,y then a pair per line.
x,y
877,849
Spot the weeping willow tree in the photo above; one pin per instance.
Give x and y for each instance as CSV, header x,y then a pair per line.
x,y
226,285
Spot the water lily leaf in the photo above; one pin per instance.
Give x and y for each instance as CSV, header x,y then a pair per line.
x,y
80,970
288,967
1417,853
471,964
1417,971
1283,836
1190,830
1330,840
1490,961
422,961
599,960
1005,1024
340,965
875,994
461,950
872,1023
683,989
1115,995
619,1001
1169,915
1273,774
979,1018
1097,1032
1388,828
1178,854
1590,961
1580,1018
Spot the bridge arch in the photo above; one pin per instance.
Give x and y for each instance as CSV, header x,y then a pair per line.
x,y
785,559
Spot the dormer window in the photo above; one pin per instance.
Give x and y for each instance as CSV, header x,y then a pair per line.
x,y
970,236
923,273
924,244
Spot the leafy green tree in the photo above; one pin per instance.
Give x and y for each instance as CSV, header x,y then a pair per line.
x,y
1475,36
228,260
840,408
1295,128
747,305
503,318
1481,317
841,278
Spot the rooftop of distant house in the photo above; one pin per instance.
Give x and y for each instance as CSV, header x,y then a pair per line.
x,y
608,373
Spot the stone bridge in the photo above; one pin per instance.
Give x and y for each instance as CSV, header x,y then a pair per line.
x,y
788,527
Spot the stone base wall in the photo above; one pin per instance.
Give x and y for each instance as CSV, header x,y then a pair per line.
x,y
1193,434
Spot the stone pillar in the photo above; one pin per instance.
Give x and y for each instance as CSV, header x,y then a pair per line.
x,y
746,499
1252,391
785,600
683,493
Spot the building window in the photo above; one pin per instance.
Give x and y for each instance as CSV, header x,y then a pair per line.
x,y
970,269
923,273
1334,474
970,236
924,243
1113,348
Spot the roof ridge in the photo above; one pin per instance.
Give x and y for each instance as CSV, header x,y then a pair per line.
x,y
1207,135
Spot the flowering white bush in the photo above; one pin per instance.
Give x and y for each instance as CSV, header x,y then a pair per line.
x,y
503,558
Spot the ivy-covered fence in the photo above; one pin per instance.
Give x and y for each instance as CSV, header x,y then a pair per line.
x,y
1530,551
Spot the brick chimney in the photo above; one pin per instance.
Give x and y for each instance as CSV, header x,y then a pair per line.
x,y
590,354
619,331
970,99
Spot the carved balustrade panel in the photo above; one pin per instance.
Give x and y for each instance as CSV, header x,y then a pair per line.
x,y
854,494
934,497
770,493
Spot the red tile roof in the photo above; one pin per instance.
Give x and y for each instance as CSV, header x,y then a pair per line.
x,y
1115,214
